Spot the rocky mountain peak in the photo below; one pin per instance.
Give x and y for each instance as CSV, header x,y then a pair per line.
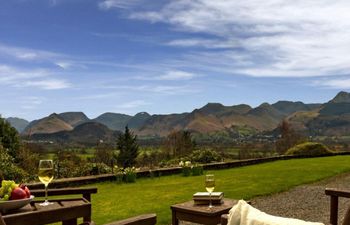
x,y
341,97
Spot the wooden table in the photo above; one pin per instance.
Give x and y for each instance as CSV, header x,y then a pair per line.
x,y
65,210
202,214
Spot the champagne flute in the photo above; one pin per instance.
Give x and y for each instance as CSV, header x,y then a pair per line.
x,y
45,176
210,185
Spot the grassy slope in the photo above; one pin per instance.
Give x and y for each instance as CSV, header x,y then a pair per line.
x,y
118,201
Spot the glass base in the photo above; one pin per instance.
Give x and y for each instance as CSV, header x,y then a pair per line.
x,y
46,203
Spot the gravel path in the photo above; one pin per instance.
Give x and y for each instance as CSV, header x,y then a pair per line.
x,y
306,202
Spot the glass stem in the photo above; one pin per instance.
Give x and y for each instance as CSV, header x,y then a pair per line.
x,y
46,185
210,205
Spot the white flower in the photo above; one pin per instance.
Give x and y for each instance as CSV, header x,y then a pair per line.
x,y
188,163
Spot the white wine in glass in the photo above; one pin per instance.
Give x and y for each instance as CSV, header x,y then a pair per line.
x,y
210,186
45,174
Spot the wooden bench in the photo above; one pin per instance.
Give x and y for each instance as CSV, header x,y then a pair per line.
x,y
335,194
146,219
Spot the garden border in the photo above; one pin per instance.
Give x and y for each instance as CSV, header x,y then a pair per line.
x,y
77,181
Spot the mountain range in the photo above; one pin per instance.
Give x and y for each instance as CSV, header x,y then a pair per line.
x,y
330,118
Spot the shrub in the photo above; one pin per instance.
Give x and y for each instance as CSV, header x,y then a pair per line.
x,y
99,168
9,138
28,161
197,170
8,169
127,175
205,156
309,149
188,169
130,175
118,173
69,164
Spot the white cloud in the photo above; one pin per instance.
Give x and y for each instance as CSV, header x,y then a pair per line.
x,y
27,54
31,102
333,83
10,74
176,75
154,89
271,38
200,42
122,4
99,96
30,78
133,104
172,75
47,84
71,64
173,90
53,2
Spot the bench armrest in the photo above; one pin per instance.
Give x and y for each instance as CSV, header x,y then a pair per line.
x,y
335,194
86,192
2,222
146,219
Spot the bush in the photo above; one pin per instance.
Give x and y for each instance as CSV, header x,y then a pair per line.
x,y
309,149
128,175
28,161
69,164
188,169
197,170
9,138
9,170
99,168
205,156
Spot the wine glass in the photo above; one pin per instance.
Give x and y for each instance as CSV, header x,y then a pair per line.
x,y
45,176
210,185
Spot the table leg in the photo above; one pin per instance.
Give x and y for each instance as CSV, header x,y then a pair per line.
x,y
87,219
334,210
70,222
175,221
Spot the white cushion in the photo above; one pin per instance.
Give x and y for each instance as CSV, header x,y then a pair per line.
x,y
244,214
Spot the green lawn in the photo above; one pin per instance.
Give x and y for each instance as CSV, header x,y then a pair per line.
x,y
119,201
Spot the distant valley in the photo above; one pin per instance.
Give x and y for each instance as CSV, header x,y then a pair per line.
x,y
328,119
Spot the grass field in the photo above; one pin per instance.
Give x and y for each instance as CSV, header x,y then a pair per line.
x,y
119,201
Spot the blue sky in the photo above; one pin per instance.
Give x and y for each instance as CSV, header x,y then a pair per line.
x,y
161,56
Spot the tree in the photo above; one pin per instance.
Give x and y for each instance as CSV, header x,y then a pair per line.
x,y
179,143
9,138
104,154
8,169
128,149
288,139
